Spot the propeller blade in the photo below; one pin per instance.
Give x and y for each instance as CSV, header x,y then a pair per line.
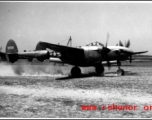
x,y
128,44
1,49
106,51
108,64
120,43
107,39
118,60
130,58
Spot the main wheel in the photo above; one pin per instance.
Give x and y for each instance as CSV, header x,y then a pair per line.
x,y
75,72
99,69
120,72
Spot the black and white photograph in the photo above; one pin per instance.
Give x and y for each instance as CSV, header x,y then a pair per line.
x,y
75,59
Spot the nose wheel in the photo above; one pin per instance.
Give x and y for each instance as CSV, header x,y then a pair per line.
x,y
120,71
75,71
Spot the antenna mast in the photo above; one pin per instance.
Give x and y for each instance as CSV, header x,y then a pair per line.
x,y
70,41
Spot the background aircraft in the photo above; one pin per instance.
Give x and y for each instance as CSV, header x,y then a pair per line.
x,y
93,54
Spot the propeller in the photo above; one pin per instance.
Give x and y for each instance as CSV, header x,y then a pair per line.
x,y
120,43
107,40
127,44
0,48
130,58
118,54
107,58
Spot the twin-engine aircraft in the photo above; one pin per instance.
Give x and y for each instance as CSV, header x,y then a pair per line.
x,y
93,54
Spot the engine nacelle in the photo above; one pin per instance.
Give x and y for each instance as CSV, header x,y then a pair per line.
x,y
42,55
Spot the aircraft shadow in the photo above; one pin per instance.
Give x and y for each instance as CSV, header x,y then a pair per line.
x,y
81,76
107,74
129,73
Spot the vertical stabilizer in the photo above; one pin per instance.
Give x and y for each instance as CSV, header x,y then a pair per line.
x,y
11,47
11,51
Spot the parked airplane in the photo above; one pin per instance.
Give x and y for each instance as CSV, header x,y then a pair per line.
x,y
94,54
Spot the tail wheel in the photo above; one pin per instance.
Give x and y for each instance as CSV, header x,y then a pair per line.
x,y
99,69
75,72
120,72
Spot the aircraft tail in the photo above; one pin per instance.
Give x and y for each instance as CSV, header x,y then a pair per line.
x,y
11,51
11,47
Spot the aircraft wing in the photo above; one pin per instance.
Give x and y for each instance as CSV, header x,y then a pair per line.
x,y
139,52
139,60
65,50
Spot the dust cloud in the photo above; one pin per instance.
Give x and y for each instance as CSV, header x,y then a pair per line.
x,y
6,69
28,69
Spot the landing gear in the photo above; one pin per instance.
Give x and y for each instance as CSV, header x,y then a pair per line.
x,y
75,71
120,71
99,69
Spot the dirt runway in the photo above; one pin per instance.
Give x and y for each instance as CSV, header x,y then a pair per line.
x,y
54,94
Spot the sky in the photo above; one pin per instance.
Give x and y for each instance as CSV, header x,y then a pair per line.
x,y
27,23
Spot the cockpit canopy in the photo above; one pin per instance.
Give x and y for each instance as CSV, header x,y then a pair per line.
x,y
95,44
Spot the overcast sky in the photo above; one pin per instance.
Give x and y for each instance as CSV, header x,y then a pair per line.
x,y
30,22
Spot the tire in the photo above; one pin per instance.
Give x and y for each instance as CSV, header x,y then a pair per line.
x,y
75,72
120,72
99,69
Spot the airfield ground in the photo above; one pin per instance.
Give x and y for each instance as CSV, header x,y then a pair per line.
x,y
47,91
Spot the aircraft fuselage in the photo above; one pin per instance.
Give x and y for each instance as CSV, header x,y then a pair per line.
x,y
93,55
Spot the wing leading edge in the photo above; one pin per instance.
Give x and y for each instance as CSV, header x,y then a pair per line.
x,y
65,50
139,52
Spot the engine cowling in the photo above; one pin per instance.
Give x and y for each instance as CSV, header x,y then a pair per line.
x,y
42,55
